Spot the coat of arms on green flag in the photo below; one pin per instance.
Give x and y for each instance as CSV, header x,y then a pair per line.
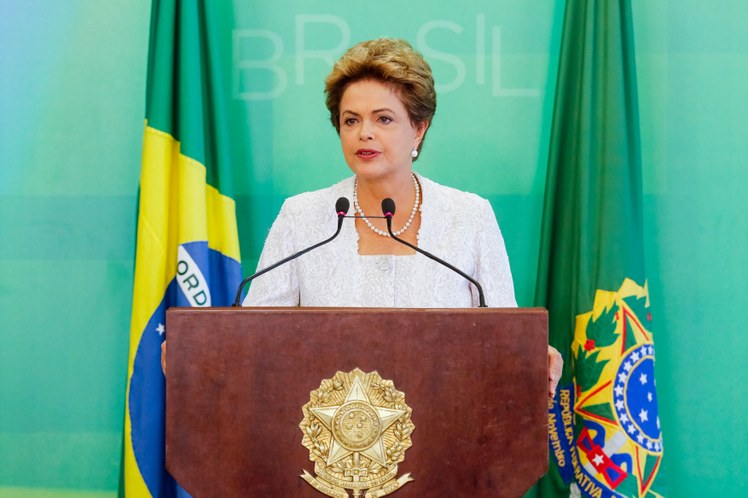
x,y
604,430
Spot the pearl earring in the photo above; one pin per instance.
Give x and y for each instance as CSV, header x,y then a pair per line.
x,y
414,153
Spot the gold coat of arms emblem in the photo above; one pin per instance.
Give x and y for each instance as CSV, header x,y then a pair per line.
x,y
356,427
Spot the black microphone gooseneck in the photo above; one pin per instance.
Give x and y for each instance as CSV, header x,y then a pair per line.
x,y
341,208
388,210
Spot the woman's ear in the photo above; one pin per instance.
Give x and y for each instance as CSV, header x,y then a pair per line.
x,y
421,130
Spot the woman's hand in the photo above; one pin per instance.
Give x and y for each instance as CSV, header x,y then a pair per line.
x,y
163,357
555,367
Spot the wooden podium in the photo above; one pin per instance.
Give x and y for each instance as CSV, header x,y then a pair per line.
x,y
476,380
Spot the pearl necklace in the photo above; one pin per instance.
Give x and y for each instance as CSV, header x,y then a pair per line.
x,y
382,233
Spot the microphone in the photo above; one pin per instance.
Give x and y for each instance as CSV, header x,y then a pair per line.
x,y
388,210
341,208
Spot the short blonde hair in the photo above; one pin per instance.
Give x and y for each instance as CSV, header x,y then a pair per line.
x,y
390,61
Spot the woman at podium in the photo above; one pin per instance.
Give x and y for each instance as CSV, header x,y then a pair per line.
x,y
382,100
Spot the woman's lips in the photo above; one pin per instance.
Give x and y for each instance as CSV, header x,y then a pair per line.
x,y
367,153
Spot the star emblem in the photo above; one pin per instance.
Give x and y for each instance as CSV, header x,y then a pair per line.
x,y
643,378
357,425
160,329
643,416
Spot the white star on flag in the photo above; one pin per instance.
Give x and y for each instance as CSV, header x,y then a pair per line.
x,y
643,415
640,438
635,356
622,377
643,378
619,390
598,460
619,404
649,396
649,445
627,366
160,329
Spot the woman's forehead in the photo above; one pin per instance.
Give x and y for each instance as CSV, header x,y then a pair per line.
x,y
371,95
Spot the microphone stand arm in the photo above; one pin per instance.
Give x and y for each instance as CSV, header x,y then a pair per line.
x,y
237,301
481,298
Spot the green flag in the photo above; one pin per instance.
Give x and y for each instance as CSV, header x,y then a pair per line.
x,y
604,430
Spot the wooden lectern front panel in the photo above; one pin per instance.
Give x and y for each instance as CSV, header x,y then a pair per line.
x,y
476,380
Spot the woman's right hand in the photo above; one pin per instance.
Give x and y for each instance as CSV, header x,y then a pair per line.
x,y
163,357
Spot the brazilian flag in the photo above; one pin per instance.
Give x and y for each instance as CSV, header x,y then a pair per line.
x,y
187,244
604,430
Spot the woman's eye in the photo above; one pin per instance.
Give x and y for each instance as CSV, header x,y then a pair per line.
x,y
385,119
349,121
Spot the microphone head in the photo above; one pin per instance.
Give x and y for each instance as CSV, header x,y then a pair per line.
x,y
342,205
388,208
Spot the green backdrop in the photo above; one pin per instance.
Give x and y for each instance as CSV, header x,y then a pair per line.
x,y
72,92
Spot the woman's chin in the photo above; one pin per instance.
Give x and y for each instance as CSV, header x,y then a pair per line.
x,y
371,171
368,171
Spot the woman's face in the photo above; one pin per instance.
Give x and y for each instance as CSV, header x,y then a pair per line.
x,y
375,131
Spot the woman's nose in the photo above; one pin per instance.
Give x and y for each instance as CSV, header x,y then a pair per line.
x,y
367,131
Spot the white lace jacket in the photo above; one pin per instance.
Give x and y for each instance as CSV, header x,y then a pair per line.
x,y
456,226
